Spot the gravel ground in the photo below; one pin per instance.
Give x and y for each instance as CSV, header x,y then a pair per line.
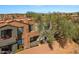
x,y
70,48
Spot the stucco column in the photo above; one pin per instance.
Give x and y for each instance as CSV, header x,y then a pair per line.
x,y
0,50
26,37
26,42
14,47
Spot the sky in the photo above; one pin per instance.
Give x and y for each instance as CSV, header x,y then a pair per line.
x,y
6,9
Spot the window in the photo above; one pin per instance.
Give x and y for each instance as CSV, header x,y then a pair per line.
x,y
32,39
6,49
30,28
19,37
19,30
6,34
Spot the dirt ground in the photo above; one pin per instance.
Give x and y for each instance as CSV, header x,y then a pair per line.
x,y
70,48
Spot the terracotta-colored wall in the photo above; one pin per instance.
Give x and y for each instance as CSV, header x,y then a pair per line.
x,y
26,37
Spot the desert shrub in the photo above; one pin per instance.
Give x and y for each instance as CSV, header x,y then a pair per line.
x,y
61,28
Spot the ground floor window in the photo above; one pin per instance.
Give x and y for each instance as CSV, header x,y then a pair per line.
x,y
32,39
6,49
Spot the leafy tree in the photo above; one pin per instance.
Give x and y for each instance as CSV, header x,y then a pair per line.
x,y
54,26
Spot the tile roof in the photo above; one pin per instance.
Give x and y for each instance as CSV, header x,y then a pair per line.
x,y
22,21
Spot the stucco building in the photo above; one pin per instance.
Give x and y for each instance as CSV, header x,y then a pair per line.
x,y
14,32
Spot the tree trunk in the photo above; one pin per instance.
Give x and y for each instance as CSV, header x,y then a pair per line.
x,y
50,46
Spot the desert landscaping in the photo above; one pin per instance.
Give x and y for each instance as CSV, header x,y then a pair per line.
x,y
39,33
70,48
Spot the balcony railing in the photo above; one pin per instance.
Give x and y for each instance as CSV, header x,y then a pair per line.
x,y
7,41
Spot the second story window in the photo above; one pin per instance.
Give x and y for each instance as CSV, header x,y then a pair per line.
x,y
6,34
30,27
